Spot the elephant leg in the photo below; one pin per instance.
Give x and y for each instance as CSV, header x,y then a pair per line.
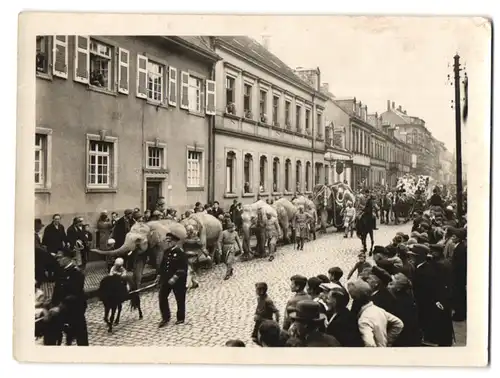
x,y
138,271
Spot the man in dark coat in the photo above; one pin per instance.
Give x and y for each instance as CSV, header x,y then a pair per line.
x,y
122,227
432,295
38,227
216,210
459,268
76,240
307,324
54,235
70,295
369,208
342,323
173,277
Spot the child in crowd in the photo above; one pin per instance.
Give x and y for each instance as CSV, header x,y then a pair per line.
x,y
335,275
118,269
265,309
361,265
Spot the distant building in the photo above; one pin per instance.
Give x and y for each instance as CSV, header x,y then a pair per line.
x,y
121,121
412,131
270,129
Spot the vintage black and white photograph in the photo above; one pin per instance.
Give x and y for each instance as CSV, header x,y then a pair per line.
x,y
264,187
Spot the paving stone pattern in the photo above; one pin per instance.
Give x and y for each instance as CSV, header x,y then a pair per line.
x,y
220,310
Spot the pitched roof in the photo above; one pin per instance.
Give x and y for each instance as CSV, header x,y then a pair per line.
x,y
200,43
256,51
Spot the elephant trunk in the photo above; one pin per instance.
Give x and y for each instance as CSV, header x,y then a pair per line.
x,y
114,252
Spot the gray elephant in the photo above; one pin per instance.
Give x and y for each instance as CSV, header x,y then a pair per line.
x,y
145,240
208,229
285,211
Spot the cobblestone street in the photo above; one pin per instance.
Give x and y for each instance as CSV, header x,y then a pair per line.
x,y
220,310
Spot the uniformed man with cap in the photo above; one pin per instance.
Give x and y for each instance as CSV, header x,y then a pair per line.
x,y
173,277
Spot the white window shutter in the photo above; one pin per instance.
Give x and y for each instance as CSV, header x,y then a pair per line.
x,y
123,71
82,59
60,56
184,90
172,86
210,97
142,76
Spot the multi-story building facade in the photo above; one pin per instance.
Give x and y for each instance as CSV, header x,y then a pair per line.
x,y
338,156
269,131
360,141
121,121
413,132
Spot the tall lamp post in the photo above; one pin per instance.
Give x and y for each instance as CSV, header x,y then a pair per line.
x,y
458,131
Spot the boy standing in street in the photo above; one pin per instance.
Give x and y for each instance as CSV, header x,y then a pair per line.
x,y
265,309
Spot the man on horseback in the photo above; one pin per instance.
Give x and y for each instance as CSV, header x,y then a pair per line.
x,y
369,208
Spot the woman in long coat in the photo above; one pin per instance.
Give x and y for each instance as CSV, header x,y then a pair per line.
x,y
104,227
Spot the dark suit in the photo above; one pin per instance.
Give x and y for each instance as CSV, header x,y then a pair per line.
x,y
319,339
459,264
120,230
174,263
75,233
344,327
69,292
431,285
54,238
406,310
291,307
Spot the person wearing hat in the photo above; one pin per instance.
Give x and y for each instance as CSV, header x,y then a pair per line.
x,y
341,323
273,233
69,293
297,286
228,243
76,239
432,297
104,227
173,277
378,328
307,324
406,310
459,266
38,227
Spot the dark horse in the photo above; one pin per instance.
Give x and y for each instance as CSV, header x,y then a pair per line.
x,y
364,227
112,293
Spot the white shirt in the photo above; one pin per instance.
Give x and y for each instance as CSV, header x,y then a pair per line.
x,y
378,327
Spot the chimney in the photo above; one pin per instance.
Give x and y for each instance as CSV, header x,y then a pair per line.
x,y
266,40
399,108
404,111
325,88
393,105
388,105
318,78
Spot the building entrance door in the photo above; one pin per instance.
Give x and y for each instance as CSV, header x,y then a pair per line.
x,y
153,192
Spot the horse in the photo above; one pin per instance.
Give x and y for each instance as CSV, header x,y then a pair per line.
x,y
364,227
113,292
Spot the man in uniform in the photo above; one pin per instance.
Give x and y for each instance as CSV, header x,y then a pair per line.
x,y
70,295
229,240
300,223
273,233
172,277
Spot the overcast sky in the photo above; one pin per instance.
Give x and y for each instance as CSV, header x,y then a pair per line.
x,y
405,60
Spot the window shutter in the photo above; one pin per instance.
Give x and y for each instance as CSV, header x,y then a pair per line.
x,y
123,71
172,86
82,59
210,97
142,76
60,56
184,90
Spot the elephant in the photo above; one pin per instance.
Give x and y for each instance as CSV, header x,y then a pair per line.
x,y
323,201
208,228
252,223
285,211
143,240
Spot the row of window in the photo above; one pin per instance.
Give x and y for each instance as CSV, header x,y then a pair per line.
x,y
285,176
362,143
249,90
102,162
107,67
